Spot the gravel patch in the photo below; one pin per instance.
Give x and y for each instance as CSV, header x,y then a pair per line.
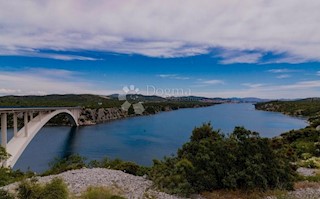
x,y
307,171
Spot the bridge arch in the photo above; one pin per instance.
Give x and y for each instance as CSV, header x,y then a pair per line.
x,y
19,143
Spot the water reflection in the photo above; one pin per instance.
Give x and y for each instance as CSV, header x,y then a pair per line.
x,y
68,146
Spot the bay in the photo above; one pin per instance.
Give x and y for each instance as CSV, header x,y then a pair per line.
x,y
144,138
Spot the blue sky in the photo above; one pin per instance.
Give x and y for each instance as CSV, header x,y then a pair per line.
x,y
208,48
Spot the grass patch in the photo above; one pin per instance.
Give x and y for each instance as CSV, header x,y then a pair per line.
x,y
240,194
101,193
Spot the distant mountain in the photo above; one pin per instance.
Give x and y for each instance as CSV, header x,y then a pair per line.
x,y
249,99
219,99
139,97
87,100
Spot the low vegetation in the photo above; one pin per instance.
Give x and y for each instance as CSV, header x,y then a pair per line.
x,y
30,189
77,162
101,193
8,175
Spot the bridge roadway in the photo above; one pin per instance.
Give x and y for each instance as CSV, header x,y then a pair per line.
x,y
34,119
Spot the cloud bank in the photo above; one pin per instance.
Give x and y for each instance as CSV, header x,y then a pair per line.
x,y
42,81
157,28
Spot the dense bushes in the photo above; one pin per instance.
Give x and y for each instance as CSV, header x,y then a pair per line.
x,y
302,144
211,160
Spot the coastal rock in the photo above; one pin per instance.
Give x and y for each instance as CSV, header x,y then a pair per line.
x,y
94,116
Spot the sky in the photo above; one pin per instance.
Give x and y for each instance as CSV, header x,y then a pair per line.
x,y
214,48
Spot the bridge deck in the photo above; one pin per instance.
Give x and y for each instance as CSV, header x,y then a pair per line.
x,y
23,109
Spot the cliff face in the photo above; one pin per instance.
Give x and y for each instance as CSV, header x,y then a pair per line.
x,y
94,116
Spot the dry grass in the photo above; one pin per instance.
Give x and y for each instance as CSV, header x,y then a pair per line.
x,y
237,194
306,184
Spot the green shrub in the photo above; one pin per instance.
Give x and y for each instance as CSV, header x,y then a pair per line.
x,y
314,178
7,175
3,154
313,162
99,193
171,175
29,190
211,161
56,189
70,163
5,194
117,164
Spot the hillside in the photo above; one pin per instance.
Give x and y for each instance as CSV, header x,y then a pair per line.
x,y
309,107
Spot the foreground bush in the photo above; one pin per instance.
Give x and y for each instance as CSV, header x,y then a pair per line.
x,y
99,193
7,175
56,189
211,161
117,164
5,195
69,163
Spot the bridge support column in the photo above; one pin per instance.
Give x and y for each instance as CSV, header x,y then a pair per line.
x,y
26,124
31,115
40,115
4,138
15,125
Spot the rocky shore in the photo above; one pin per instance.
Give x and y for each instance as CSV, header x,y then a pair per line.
x,y
94,116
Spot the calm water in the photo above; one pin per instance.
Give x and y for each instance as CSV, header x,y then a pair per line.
x,y
142,139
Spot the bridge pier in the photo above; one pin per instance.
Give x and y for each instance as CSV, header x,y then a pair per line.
x,y
26,124
15,125
4,135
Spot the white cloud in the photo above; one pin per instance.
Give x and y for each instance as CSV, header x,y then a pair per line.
x,y
41,81
284,76
232,57
282,70
173,76
299,89
213,82
251,85
171,29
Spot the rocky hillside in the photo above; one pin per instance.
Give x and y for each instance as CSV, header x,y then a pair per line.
x,y
94,116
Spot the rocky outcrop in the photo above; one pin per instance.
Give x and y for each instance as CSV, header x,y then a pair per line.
x,y
94,116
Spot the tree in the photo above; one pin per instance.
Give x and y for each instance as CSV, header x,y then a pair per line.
x,y
212,160
3,154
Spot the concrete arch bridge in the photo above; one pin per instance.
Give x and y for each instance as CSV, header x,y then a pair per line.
x,y
34,120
